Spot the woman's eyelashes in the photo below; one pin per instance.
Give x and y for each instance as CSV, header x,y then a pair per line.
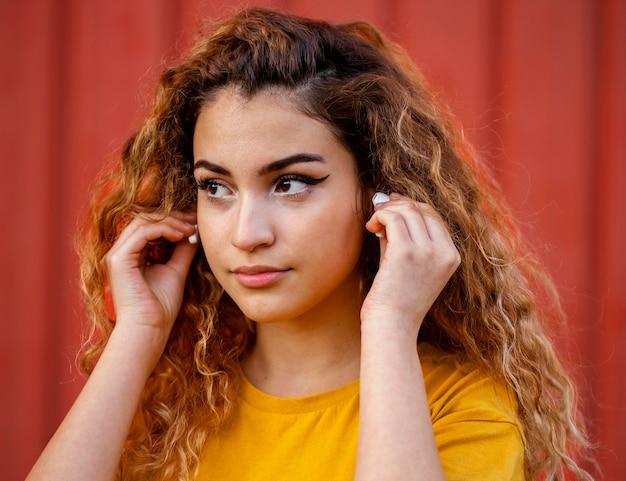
x,y
294,184
291,185
214,188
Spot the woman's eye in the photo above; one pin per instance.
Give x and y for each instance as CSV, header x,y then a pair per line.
x,y
294,184
214,188
290,185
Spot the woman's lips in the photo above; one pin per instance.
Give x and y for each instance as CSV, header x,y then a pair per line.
x,y
259,276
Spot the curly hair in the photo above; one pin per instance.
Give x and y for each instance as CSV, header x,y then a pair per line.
x,y
375,101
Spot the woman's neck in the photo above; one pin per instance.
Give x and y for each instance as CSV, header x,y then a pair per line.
x,y
300,358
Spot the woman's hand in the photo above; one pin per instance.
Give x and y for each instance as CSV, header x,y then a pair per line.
x,y
148,292
147,296
417,259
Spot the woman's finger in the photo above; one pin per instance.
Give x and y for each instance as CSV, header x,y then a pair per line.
x,y
147,240
147,266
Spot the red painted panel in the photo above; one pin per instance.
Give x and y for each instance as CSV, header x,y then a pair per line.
x,y
609,234
26,181
540,86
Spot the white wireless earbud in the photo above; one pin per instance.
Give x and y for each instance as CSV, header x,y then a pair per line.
x,y
379,198
195,237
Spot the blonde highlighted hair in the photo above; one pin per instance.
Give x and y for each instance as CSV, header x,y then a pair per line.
x,y
373,98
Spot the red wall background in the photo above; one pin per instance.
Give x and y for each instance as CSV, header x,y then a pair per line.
x,y
540,87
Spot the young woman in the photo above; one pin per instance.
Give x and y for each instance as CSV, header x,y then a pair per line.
x,y
314,335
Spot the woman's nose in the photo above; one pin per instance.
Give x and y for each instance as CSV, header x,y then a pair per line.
x,y
252,225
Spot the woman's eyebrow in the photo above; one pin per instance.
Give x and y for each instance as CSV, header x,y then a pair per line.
x,y
287,161
267,169
205,164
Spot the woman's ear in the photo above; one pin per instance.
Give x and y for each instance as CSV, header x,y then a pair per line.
x,y
366,202
368,192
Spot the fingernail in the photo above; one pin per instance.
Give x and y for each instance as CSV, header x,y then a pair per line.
x,y
194,238
379,198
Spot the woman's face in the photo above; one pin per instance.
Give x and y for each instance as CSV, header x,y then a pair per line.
x,y
279,208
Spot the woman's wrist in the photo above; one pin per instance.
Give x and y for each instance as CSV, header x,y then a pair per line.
x,y
139,345
395,331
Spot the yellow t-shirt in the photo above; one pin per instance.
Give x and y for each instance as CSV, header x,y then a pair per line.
x,y
314,438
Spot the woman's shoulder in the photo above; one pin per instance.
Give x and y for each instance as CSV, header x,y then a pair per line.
x,y
457,386
474,418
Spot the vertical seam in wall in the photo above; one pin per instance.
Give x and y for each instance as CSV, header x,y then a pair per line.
x,y
57,272
592,313
495,86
